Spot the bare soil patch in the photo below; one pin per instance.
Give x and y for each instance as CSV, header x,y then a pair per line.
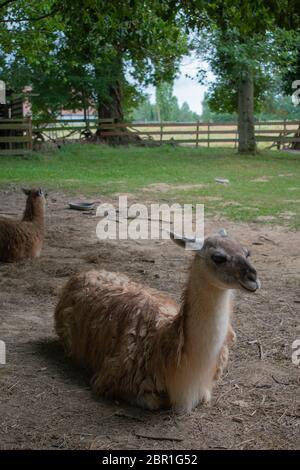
x,y
46,401
165,187
262,179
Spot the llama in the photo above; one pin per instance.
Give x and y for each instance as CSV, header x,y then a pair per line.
x,y
140,345
23,239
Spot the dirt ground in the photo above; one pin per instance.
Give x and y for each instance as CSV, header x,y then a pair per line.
x,y
46,401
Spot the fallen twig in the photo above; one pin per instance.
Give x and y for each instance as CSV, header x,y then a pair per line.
x,y
260,349
122,414
159,438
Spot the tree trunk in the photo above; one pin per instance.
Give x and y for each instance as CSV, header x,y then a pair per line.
x,y
111,107
110,104
247,143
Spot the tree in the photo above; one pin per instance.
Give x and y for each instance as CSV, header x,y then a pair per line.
x,y
142,39
208,115
186,115
242,42
166,103
291,76
290,85
275,106
29,39
238,64
144,112
168,108
165,108
278,106
93,47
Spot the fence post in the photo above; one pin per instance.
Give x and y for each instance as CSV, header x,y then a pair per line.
x,y
161,132
10,134
29,133
197,135
98,130
236,137
208,135
284,133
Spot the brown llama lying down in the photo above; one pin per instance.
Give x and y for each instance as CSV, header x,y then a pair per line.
x,y
143,347
23,239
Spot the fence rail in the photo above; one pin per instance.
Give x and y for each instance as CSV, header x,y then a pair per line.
x,y
20,135
205,133
274,133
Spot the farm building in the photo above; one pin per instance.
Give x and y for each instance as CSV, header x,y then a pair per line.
x,y
15,127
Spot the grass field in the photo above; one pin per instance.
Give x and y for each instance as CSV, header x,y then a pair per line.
x,y
264,188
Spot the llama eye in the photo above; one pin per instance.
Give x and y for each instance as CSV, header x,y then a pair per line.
x,y
219,258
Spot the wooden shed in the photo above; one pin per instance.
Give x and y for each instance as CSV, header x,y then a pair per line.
x,y
15,129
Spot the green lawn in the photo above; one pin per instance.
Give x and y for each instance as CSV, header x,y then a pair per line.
x,y
265,187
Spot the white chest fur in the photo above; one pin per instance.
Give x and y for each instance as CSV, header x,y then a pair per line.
x,y
207,322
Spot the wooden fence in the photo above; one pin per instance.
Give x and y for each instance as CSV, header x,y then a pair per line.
x,y
19,136
15,136
62,130
271,133
276,133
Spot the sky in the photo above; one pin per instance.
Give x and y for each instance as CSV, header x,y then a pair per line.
x,y
187,88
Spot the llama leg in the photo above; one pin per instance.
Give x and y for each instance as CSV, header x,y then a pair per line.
x,y
224,354
222,362
104,384
231,336
64,329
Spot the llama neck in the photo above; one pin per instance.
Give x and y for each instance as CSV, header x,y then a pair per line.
x,y
205,315
34,213
196,337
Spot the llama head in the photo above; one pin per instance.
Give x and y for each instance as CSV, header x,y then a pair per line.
x,y
224,261
34,193
36,201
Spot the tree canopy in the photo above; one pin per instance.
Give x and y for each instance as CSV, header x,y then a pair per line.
x,y
75,52
102,52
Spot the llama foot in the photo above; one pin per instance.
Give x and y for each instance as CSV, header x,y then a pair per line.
x,y
187,406
150,401
222,363
206,397
182,409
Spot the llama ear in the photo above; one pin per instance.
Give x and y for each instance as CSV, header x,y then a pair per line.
x,y
189,243
26,191
222,233
180,241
